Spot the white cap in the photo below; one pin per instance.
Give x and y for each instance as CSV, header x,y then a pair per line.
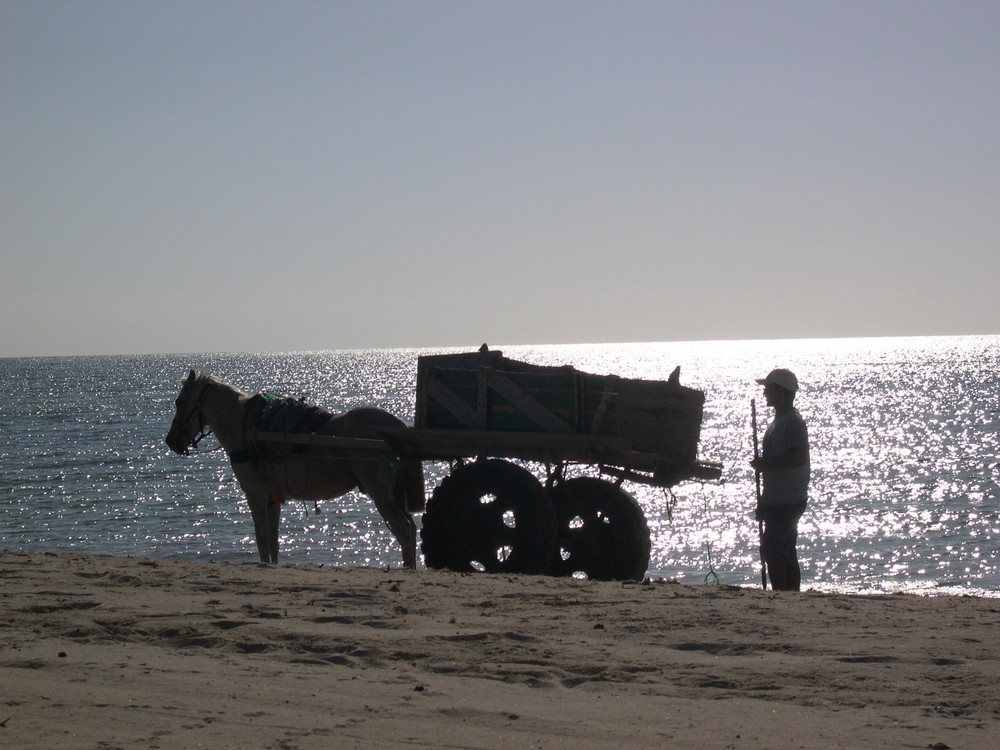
x,y
781,377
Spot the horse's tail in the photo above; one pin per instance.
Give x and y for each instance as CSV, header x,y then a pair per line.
x,y
412,475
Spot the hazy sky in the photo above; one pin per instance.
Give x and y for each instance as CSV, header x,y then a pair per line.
x,y
248,176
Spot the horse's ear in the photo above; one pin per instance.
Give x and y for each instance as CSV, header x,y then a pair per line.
x,y
191,376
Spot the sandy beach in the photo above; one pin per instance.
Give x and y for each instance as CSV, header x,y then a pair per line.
x,y
104,652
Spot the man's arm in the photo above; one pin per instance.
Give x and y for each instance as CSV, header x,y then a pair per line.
x,y
799,456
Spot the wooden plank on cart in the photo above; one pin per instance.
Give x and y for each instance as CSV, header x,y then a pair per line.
x,y
443,445
468,417
502,399
374,445
525,403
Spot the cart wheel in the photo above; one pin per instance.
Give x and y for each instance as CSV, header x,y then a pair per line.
x,y
490,516
602,531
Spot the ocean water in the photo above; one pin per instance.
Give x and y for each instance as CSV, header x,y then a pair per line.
x,y
904,438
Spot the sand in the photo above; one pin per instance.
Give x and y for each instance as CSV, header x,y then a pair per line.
x,y
104,652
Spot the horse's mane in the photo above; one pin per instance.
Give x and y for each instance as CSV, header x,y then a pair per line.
x,y
202,376
207,378
269,412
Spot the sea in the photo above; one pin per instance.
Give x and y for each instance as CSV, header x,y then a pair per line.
x,y
903,433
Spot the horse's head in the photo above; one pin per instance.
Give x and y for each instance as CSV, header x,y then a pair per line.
x,y
188,422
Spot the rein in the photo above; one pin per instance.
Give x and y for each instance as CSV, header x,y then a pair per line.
x,y
202,434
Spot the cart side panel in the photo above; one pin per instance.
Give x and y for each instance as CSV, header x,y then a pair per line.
x,y
426,367
661,418
490,399
487,392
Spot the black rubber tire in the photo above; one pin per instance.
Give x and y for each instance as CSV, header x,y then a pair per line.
x,y
601,532
491,516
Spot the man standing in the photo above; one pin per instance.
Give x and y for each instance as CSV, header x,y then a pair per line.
x,y
784,469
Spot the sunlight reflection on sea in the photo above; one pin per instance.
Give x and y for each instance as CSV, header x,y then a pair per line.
x,y
904,439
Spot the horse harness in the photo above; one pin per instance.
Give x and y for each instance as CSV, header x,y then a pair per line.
x,y
269,413
266,412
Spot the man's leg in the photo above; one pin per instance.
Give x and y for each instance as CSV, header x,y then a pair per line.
x,y
794,573
778,545
776,573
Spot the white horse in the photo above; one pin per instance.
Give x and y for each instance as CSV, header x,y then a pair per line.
x,y
270,473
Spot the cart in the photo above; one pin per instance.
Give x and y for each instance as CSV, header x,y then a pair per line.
x,y
482,411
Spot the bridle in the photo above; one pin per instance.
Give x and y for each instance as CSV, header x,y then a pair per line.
x,y
203,430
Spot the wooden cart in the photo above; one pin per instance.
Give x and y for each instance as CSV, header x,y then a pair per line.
x,y
480,410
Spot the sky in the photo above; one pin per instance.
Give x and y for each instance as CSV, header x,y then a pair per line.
x,y
282,176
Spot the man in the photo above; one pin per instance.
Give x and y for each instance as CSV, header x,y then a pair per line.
x,y
784,470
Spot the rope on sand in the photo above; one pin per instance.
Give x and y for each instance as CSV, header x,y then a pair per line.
x,y
712,576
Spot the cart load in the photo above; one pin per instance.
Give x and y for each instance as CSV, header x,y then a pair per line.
x,y
480,410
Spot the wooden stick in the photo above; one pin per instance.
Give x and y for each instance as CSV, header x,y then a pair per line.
x,y
760,522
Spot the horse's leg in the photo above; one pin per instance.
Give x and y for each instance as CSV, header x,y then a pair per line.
x,y
403,528
400,522
260,511
273,523
411,482
405,531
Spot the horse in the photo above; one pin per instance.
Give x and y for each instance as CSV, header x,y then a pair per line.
x,y
270,473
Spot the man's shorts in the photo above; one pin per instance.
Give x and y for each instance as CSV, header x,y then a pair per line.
x,y
781,528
